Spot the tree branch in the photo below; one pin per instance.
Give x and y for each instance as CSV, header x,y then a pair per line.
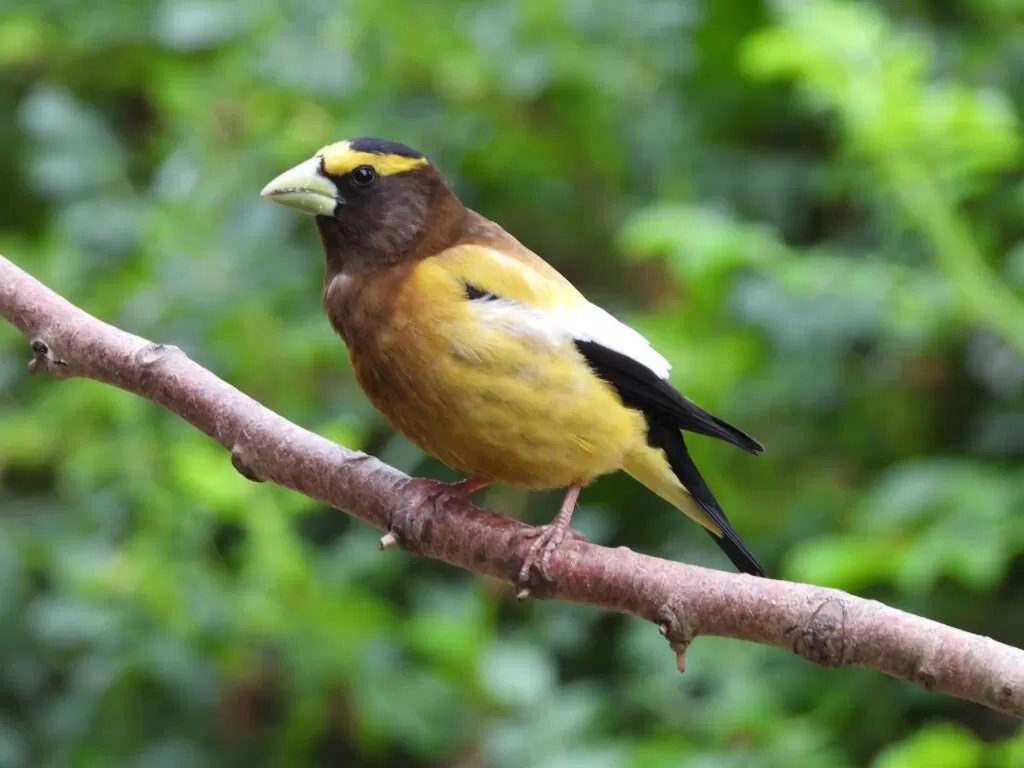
x,y
825,626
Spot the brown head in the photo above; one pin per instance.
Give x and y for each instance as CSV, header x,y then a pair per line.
x,y
377,203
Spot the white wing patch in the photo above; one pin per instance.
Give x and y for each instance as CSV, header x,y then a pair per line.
x,y
586,322
591,323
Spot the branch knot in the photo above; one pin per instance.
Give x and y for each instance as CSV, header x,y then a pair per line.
x,y
152,353
822,639
44,359
239,452
678,634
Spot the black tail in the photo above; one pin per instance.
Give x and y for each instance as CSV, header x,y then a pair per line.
x,y
670,439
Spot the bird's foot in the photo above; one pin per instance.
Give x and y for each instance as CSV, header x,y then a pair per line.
x,y
546,541
432,492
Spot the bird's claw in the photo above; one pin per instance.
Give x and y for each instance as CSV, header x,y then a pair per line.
x,y
546,541
426,491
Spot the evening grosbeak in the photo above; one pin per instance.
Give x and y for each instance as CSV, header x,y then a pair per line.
x,y
482,354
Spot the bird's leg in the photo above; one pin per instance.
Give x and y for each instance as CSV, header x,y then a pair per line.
x,y
547,539
430,492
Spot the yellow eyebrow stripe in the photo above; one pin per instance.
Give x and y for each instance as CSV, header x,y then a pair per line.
x,y
340,158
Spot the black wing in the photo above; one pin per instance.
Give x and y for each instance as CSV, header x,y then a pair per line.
x,y
641,388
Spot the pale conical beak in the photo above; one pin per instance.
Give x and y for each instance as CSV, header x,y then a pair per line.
x,y
305,189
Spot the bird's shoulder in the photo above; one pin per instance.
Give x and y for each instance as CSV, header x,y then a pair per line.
x,y
489,279
486,261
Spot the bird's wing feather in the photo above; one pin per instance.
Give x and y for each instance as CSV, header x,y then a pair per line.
x,y
507,288
511,289
641,388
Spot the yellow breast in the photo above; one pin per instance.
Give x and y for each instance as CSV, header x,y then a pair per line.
x,y
492,403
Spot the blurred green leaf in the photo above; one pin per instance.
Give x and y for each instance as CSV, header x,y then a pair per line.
x,y
941,746
699,242
516,674
844,562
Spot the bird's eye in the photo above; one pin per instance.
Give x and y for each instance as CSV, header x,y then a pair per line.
x,y
364,175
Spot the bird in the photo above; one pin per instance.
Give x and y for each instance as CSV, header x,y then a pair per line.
x,y
483,355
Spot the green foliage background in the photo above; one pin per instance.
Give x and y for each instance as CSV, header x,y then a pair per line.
x,y
813,208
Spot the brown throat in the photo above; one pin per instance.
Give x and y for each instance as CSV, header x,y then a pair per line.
x,y
363,270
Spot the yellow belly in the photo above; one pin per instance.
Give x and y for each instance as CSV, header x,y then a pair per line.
x,y
499,409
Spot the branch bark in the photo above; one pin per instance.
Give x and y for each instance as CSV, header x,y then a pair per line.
x,y
826,626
